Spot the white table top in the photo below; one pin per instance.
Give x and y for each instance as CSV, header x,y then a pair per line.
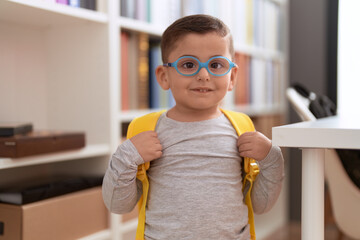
x,y
331,132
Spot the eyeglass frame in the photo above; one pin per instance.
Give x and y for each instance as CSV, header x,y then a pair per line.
x,y
201,65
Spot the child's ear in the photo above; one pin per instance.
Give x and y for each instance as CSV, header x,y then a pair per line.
x,y
162,77
233,78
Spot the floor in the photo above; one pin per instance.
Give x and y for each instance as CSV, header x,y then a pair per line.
x,y
292,231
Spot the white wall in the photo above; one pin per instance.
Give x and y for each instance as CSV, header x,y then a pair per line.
x,y
349,57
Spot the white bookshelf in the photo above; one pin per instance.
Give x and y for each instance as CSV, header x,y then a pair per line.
x,y
46,13
59,69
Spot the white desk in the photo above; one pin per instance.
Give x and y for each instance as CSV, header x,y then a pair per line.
x,y
313,137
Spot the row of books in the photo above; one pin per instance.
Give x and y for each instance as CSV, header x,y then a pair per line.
x,y
139,88
96,5
252,22
258,79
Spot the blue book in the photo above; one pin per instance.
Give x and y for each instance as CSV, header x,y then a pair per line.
x,y
154,88
74,3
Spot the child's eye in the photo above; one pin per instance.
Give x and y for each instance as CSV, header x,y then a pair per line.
x,y
216,65
188,65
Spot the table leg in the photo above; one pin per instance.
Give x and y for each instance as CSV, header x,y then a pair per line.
x,y
312,199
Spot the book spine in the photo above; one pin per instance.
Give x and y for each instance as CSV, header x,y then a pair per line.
x,y
154,88
143,70
242,81
74,3
133,72
124,41
62,2
101,6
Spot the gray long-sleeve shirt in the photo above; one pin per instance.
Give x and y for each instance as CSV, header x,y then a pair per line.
x,y
196,186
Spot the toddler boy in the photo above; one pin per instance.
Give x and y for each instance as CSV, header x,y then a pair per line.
x,y
195,154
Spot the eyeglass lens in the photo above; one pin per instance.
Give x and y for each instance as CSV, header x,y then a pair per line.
x,y
216,66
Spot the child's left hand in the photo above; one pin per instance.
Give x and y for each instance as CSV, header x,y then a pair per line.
x,y
254,145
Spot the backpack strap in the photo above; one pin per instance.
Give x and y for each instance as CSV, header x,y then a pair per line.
x,y
242,123
138,125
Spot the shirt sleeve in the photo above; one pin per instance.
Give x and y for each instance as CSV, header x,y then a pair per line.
x,y
268,183
120,189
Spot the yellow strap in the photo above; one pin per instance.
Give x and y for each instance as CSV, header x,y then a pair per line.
x,y
251,168
250,177
138,125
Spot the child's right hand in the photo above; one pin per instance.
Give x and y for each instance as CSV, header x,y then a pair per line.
x,y
148,145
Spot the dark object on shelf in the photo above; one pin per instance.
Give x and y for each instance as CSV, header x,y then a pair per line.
x,y
33,191
39,142
8,129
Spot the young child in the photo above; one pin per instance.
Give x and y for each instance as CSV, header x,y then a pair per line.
x,y
195,175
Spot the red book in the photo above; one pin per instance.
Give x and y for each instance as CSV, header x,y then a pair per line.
x,y
124,40
242,83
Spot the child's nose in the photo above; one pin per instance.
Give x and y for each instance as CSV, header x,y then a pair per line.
x,y
203,74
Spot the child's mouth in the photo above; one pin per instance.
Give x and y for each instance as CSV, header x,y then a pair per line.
x,y
202,90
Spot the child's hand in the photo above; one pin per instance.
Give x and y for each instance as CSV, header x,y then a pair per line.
x,y
254,145
148,145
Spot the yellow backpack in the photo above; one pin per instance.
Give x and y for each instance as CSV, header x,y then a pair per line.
x,y
241,122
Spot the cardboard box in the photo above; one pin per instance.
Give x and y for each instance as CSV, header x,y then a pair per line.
x,y
70,216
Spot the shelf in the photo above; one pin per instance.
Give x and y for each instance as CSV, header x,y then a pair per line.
x,y
251,110
127,116
140,26
129,226
259,52
260,110
86,152
44,14
102,235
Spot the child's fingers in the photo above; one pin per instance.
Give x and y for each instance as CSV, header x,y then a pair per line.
x,y
245,147
246,154
246,137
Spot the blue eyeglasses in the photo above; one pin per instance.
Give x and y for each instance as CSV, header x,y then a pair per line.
x,y
189,65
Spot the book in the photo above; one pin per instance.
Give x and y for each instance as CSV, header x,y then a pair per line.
x,y
35,190
258,82
127,8
242,79
124,48
133,72
239,32
141,10
249,22
101,6
8,129
143,71
39,142
74,3
62,2
154,87
88,4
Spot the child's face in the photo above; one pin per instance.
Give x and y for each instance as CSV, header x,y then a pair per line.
x,y
203,90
